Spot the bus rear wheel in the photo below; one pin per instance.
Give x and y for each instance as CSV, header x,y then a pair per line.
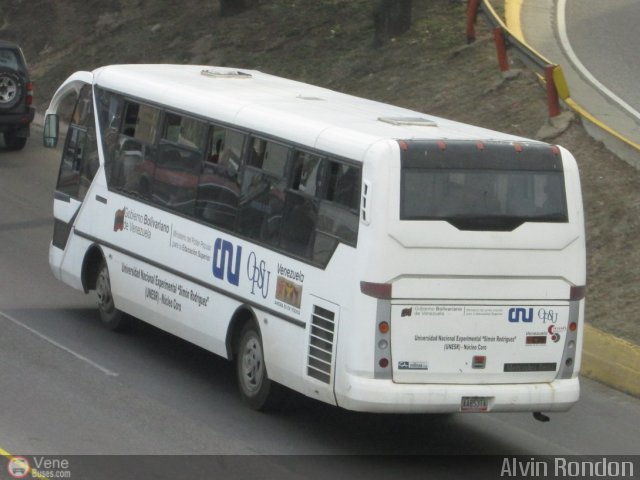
x,y
258,391
112,318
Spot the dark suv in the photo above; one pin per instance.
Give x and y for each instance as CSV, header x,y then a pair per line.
x,y
16,96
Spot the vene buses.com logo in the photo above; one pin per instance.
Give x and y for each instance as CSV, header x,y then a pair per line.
x,y
18,467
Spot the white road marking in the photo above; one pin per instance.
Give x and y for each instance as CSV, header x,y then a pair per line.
x,y
104,370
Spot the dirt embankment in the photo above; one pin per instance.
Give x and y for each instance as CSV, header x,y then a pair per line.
x,y
329,43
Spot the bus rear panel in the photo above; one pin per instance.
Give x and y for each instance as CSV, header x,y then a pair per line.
x,y
478,281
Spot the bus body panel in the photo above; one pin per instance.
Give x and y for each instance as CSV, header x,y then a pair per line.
x,y
149,254
320,328
71,264
531,269
64,209
478,343
480,287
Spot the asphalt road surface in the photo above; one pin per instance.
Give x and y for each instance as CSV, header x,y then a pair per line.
x,y
67,386
604,36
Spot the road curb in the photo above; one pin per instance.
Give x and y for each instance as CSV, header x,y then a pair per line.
x,y
611,360
605,357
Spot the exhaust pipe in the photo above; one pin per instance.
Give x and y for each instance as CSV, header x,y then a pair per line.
x,y
541,417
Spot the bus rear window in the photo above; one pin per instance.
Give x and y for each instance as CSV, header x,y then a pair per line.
x,y
495,188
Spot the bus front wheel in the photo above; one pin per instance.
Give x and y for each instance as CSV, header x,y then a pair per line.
x,y
112,318
256,388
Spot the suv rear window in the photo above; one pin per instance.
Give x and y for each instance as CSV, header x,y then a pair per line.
x,y
9,59
490,187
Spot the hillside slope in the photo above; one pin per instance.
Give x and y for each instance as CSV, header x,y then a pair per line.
x,y
329,43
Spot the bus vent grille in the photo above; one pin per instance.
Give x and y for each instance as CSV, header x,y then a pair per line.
x,y
321,344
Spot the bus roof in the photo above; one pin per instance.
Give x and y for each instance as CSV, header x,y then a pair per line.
x,y
299,112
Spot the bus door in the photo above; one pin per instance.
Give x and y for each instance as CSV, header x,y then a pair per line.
x,y
78,166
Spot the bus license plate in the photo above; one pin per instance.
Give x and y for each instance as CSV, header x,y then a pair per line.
x,y
474,404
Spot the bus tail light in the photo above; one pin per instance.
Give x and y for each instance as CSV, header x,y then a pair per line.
x,y
577,293
376,290
382,354
567,365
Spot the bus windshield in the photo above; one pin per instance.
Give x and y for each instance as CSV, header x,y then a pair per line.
x,y
476,189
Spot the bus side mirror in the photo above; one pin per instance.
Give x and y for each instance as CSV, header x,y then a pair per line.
x,y
51,124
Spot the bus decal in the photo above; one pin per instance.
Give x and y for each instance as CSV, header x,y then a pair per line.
x,y
163,291
520,314
118,221
553,333
189,243
289,288
288,292
258,275
138,223
223,255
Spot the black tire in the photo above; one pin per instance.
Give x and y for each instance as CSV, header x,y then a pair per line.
x,y
256,388
13,141
11,89
112,318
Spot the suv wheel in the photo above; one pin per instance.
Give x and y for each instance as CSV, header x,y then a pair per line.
x,y
10,89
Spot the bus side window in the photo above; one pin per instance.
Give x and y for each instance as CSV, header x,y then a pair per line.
x,y
262,191
91,160
338,216
133,164
80,155
177,169
218,186
301,206
257,152
343,186
110,109
216,144
69,175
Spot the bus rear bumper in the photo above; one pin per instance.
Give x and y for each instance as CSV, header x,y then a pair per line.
x,y
384,396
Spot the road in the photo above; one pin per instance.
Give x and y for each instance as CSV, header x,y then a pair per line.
x,y
604,38
67,386
595,43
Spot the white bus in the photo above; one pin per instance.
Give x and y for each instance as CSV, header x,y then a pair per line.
x,y
365,255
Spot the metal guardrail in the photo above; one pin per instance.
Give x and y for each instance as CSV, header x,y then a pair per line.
x,y
494,21
551,73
